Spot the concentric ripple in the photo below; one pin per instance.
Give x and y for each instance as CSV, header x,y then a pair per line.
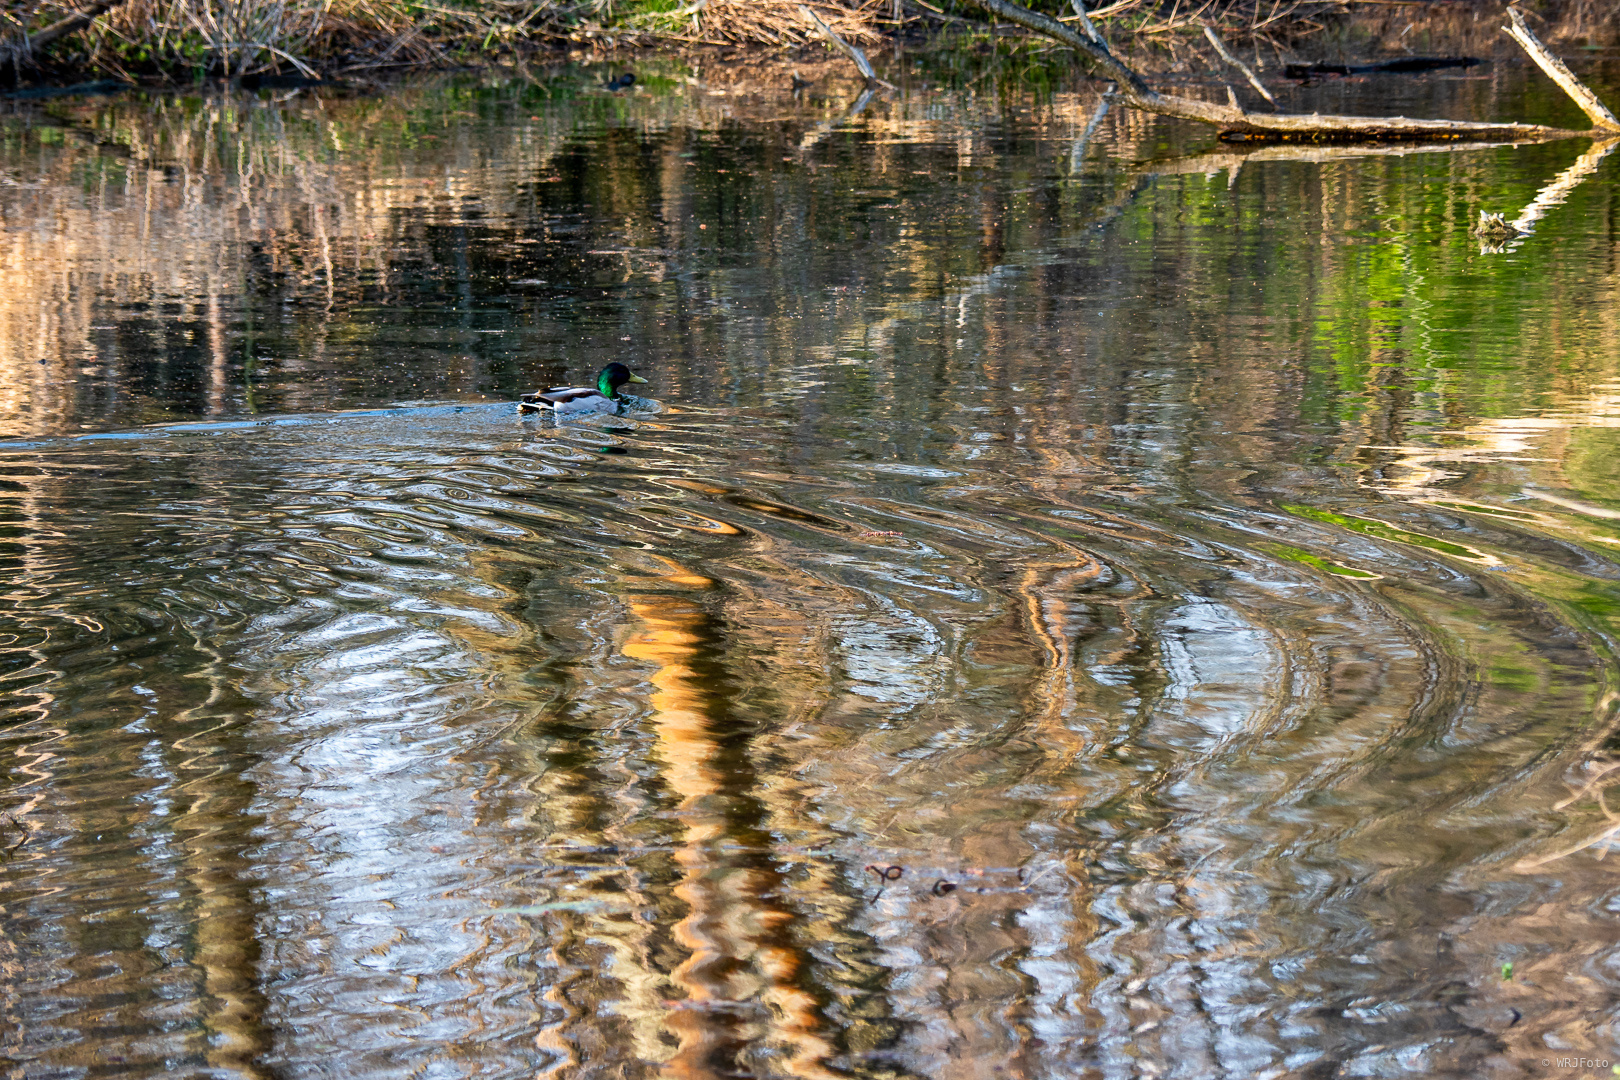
x,y
1067,618
399,736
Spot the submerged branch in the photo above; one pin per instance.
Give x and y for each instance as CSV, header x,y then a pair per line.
x,y
1077,152
851,51
855,109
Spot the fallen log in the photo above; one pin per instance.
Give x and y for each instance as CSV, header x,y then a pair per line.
x,y
1406,65
21,46
99,87
1237,124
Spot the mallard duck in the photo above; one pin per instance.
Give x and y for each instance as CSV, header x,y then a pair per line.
x,y
580,400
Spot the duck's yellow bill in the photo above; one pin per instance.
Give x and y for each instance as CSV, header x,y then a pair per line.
x,y
637,378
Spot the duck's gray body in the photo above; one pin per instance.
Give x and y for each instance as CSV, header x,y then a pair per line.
x,y
604,397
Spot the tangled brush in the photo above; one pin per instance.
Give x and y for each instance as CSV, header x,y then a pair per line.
x,y
770,22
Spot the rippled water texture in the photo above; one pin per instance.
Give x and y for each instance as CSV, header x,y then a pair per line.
x,y
1090,604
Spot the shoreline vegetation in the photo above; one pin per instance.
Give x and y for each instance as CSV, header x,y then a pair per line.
x,y
183,41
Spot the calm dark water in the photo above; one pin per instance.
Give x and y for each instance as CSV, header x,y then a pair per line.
x,y
1194,575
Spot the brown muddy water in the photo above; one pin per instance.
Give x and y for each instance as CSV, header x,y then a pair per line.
x,y
1090,603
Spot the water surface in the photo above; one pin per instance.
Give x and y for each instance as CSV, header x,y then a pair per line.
x,y
1091,603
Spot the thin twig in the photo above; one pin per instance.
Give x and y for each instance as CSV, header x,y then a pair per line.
x,y
848,50
1086,24
1248,73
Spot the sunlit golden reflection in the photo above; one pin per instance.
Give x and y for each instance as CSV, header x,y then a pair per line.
x,y
737,955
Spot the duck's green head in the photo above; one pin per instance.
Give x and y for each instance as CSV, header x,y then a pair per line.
x,y
614,376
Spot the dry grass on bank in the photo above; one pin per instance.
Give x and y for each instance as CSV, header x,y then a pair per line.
x,y
237,37
763,22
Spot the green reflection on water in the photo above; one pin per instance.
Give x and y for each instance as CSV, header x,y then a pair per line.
x,y
1300,555
1384,531
942,557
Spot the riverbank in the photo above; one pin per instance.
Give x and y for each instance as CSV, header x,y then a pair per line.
x,y
59,42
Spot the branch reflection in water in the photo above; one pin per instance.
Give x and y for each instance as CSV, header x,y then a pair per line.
x,y
1210,579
